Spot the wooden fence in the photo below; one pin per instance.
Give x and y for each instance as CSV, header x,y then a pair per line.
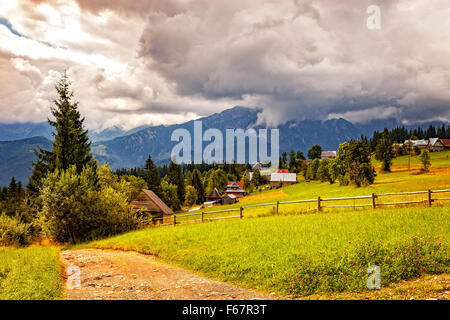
x,y
203,216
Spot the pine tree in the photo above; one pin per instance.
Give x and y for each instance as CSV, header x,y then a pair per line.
x,y
383,152
12,189
175,175
151,177
198,185
71,146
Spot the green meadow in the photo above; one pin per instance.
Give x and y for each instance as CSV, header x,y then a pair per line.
x,y
297,255
30,274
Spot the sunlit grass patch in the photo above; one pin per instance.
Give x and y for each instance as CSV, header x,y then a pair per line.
x,y
30,274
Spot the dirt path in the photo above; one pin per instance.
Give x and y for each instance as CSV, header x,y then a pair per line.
x,y
109,275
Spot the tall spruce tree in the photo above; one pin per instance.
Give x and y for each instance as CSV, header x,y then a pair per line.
x,y
71,145
383,151
198,185
152,178
175,175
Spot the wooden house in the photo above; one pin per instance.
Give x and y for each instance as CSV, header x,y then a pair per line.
x,y
283,179
235,188
435,144
229,199
214,197
147,201
445,143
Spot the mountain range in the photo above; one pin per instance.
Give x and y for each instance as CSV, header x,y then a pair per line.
x,y
126,149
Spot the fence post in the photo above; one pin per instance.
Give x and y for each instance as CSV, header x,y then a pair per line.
x,y
374,205
240,212
278,203
429,198
203,218
319,208
174,220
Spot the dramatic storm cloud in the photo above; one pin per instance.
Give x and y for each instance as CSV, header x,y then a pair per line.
x,y
158,62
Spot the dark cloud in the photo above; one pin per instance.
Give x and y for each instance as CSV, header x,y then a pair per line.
x,y
168,61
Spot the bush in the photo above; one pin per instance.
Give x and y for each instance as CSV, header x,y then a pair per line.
x,y
313,166
76,209
352,164
13,232
191,196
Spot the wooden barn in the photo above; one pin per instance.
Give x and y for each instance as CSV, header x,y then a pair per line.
x,y
147,201
214,197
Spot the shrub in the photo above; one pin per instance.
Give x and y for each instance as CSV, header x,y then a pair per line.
x,y
425,159
75,209
353,164
191,196
13,232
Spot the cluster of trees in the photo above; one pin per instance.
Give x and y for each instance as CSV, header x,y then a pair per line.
x,y
401,134
294,162
351,166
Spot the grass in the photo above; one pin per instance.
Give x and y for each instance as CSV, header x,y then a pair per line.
x,y
303,254
30,274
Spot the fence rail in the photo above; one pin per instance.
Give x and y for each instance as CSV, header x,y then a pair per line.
x,y
178,219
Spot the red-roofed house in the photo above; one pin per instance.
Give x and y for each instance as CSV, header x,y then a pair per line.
x,y
240,183
282,171
446,143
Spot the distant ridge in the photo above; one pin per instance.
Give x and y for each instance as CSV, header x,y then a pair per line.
x,y
125,149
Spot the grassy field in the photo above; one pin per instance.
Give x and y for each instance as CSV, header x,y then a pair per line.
x,y
303,254
30,274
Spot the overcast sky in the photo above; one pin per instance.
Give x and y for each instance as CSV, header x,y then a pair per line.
x,y
159,62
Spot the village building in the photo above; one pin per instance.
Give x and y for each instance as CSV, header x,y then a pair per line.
x,y
283,179
435,144
148,202
235,188
445,143
214,197
328,154
229,199
421,144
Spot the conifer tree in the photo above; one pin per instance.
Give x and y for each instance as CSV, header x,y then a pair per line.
x,y
175,175
12,189
383,152
71,145
198,185
151,177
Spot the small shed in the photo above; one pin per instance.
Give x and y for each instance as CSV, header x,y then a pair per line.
x,y
229,199
214,196
148,201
